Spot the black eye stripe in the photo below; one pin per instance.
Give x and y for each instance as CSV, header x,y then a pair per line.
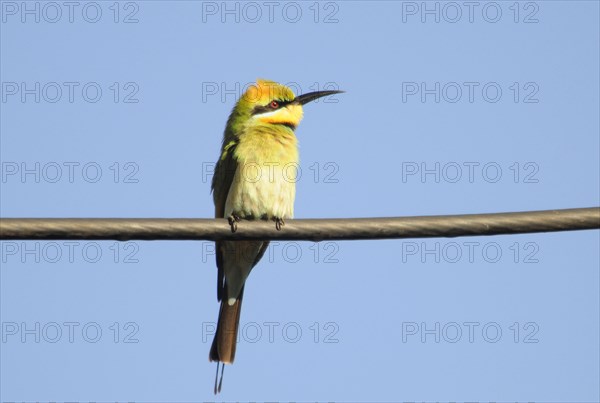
x,y
267,108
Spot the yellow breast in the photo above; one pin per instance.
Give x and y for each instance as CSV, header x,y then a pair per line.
x,y
265,180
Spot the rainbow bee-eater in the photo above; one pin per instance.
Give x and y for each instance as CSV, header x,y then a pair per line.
x,y
259,143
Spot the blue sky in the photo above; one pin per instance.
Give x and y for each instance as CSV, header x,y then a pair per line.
x,y
117,110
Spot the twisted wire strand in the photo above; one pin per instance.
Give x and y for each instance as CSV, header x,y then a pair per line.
x,y
124,229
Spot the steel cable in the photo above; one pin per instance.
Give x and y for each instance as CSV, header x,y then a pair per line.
x,y
124,229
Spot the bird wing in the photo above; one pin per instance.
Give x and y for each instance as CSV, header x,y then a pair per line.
x,y
221,183
223,178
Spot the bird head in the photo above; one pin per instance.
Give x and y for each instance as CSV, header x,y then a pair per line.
x,y
268,103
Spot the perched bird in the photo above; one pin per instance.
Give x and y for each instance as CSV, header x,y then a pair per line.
x,y
250,182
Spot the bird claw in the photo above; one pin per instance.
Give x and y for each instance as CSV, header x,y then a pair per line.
x,y
233,219
279,223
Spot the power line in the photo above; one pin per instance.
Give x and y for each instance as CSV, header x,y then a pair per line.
x,y
124,229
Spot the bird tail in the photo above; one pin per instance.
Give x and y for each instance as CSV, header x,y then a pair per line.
x,y
225,341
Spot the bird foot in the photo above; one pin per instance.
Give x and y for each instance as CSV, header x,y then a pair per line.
x,y
233,220
278,223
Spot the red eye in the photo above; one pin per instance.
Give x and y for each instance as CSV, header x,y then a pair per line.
x,y
274,104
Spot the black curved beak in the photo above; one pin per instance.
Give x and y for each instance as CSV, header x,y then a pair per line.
x,y
311,96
